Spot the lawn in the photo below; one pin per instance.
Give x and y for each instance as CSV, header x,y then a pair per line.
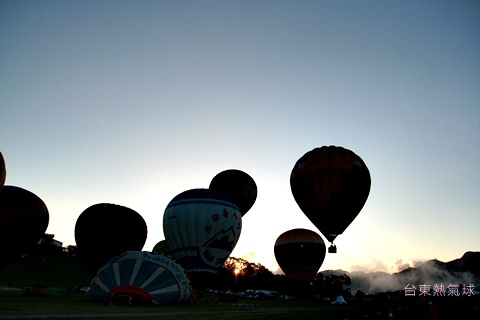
x,y
59,274
13,305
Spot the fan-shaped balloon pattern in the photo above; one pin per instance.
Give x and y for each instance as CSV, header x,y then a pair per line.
x,y
106,230
239,186
330,185
24,219
202,226
146,277
300,253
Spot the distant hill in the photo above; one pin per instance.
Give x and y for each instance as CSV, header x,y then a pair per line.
x,y
465,270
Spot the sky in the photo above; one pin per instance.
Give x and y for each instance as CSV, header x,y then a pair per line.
x,y
134,102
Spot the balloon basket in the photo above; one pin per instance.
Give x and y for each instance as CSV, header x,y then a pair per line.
x,y
332,249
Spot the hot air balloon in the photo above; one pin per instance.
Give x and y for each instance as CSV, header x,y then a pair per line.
x,y
201,226
106,230
23,221
3,171
162,248
300,253
239,186
330,185
145,277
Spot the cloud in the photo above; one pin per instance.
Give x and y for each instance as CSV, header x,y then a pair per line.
x,y
375,265
372,282
400,265
249,256
432,272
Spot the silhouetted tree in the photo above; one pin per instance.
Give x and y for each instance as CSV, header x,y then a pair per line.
x,y
71,251
239,275
331,285
360,295
46,247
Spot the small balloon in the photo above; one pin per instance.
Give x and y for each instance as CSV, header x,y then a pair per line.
x,y
300,253
162,248
238,185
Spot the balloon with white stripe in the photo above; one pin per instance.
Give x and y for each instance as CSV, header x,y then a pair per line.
x,y
145,277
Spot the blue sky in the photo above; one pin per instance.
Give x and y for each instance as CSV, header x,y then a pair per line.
x,y
133,102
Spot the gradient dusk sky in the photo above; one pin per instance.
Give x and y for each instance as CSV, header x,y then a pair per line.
x,y
133,102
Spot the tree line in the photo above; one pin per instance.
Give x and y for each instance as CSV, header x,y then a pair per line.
x,y
239,275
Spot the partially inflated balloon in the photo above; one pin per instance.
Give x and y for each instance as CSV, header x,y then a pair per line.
x,y
238,185
145,277
330,185
201,226
300,253
162,248
23,221
106,230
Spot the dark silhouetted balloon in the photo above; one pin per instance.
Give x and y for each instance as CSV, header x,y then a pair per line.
x,y
330,185
23,221
238,185
300,253
106,230
201,226
3,171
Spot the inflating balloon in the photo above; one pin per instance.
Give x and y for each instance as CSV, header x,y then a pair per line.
x,y
23,221
201,226
145,277
300,253
162,248
238,185
106,230
330,185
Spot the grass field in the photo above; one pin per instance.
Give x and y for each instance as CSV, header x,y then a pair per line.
x,y
13,305
54,272
59,274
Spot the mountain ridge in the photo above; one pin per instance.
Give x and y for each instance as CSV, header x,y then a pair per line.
x,y
464,270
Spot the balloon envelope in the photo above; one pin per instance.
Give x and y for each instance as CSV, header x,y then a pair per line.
x,y
162,248
23,221
201,226
300,253
330,185
239,186
3,171
144,276
106,230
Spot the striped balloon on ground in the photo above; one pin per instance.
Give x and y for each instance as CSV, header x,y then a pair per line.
x,y
145,277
